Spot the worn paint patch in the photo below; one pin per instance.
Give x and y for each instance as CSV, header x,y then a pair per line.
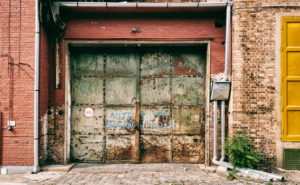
x,y
156,63
87,90
189,119
87,64
155,91
155,148
119,147
188,148
189,64
87,148
120,91
121,64
87,126
188,91
87,134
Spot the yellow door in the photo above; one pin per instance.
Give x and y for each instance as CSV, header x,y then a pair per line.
x,y
290,74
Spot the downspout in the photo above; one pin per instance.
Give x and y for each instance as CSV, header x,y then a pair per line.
x,y
36,89
227,37
215,131
251,172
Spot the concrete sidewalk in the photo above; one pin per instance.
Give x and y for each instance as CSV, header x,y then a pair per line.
x,y
141,174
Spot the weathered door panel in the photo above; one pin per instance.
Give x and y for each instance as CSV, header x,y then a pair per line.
x,y
155,148
88,64
120,98
120,147
148,104
155,63
188,91
187,148
121,63
120,91
87,148
188,119
155,91
87,90
188,64
172,104
87,134
87,126
106,81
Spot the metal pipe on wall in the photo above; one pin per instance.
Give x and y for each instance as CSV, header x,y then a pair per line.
x,y
215,130
227,37
36,89
222,131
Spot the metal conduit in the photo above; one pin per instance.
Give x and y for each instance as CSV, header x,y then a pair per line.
x,y
227,37
228,19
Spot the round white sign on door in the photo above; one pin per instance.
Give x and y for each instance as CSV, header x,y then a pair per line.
x,y
88,112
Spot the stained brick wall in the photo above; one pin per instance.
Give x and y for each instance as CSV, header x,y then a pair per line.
x,y
17,80
255,89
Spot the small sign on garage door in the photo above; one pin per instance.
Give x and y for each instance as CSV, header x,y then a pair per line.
x,y
88,111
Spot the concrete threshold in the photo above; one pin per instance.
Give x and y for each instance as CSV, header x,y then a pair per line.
x,y
58,167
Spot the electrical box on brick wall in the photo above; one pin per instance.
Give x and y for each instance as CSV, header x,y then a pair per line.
x,y
220,90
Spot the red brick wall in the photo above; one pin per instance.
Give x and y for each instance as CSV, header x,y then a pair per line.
x,y
17,84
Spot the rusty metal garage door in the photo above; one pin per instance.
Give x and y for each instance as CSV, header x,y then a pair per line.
x,y
135,104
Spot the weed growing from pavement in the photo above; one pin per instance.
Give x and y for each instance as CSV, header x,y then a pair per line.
x,y
240,154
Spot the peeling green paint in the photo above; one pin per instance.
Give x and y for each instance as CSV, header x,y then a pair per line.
x,y
87,90
188,91
121,64
189,119
87,64
155,91
156,63
120,91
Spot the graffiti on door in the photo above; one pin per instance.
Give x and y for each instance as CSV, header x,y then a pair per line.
x,y
125,120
